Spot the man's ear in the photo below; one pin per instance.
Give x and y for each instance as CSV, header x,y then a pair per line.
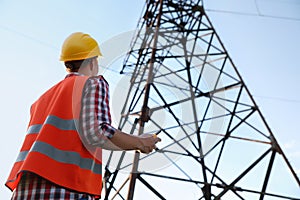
x,y
91,65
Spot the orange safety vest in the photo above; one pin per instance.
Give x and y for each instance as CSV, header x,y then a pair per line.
x,y
52,147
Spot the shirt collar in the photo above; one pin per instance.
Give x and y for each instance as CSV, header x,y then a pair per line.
x,y
73,74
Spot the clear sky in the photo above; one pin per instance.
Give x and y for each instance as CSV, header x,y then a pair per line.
x,y
264,45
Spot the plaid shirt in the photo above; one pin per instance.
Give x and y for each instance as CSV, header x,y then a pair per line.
x,y
96,128
32,186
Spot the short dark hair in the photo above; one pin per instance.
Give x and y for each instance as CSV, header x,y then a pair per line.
x,y
74,65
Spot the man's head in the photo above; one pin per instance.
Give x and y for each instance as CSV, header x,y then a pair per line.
x,y
79,53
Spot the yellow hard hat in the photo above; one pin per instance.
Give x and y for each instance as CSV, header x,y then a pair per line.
x,y
79,46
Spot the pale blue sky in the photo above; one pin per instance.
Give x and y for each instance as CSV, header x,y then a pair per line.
x,y
264,49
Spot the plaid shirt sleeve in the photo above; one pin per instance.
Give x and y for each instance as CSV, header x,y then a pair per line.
x,y
96,118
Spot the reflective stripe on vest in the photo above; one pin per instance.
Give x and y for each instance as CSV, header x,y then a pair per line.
x,y
59,123
58,155
67,157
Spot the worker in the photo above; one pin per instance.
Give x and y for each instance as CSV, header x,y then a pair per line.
x,y
69,125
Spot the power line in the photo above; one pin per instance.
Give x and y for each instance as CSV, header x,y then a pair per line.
x,y
252,14
27,36
278,99
257,7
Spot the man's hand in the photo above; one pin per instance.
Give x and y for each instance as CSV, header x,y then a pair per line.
x,y
121,141
148,142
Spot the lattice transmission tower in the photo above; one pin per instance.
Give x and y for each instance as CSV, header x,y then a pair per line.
x,y
185,88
